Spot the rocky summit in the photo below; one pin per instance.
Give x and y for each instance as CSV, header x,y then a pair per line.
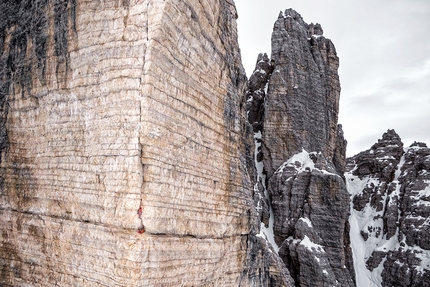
x,y
134,152
390,211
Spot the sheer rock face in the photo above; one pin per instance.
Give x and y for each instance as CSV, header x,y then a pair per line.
x,y
302,103
265,267
311,207
293,102
389,213
108,106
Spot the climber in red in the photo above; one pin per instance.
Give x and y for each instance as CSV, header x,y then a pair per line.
x,y
139,212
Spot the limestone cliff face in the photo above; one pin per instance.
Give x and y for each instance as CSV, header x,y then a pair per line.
x,y
110,106
389,186
293,106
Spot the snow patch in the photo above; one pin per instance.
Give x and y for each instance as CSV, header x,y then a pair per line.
x,y
301,161
370,221
424,256
306,220
310,245
266,87
261,71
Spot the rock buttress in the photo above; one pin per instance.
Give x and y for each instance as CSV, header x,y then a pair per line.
x,y
293,103
302,103
110,106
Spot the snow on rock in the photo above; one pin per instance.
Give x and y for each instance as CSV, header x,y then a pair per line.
x,y
389,213
306,194
311,245
363,221
307,221
266,232
300,161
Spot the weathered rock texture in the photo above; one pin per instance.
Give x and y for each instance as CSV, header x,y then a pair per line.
x,y
390,187
110,107
302,104
106,106
292,103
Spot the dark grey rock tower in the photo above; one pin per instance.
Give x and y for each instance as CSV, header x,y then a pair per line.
x,y
293,101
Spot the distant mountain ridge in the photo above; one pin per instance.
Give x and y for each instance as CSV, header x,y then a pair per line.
x,y
390,213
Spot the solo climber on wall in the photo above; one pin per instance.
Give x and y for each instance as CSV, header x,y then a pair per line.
x,y
139,213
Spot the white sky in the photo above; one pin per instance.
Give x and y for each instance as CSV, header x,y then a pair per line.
x,y
384,51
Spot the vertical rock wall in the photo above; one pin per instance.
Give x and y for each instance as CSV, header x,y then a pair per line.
x,y
107,106
293,104
303,99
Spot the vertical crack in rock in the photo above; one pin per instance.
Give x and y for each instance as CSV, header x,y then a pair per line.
x,y
292,103
263,266
389,186
145,66
64,23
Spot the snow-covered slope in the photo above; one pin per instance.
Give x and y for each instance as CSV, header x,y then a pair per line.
x,y
390,209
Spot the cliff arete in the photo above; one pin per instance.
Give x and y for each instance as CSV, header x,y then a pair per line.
x,y
135,152
123,160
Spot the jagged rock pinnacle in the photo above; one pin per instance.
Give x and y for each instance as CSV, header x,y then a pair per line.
x,y
302,102
389,186
303,152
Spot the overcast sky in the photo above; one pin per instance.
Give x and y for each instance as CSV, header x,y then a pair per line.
x,y
384,51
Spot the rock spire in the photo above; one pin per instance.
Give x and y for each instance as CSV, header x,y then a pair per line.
x,y
292,101
302,102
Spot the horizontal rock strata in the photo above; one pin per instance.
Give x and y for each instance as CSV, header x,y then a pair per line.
x,y
110,106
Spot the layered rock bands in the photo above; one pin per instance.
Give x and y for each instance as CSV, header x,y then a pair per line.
x,y
109,106
135,153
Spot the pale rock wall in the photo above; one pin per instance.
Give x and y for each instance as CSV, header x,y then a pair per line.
x,y
107,105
